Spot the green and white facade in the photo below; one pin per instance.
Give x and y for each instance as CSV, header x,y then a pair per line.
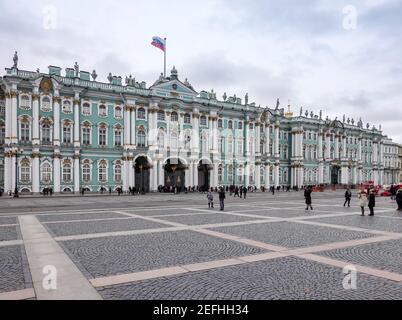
x,y
70,132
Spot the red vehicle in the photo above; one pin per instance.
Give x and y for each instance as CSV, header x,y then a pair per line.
x,y
387,191
370,185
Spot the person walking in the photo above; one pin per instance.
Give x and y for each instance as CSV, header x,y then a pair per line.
x,y
399,199
307,196
348,197
241,192
362,200
273,190
222,197
393,192
371,202
210,198
245,193
236,194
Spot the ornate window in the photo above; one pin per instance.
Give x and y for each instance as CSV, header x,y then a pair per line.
x,y
187,119
67,132
46,104
174,117
262,174
67,108
46,133
86,109
46,172
220,123
161,139
25,102
173,140
230,174
102,171
67,171
161,115
117,136
251,126
203,120
230,144
141,138
2,133
102,111
141,114
25,175
102,136
204,143
86,134
25,129
220,174
240,125
240,146
117,172
118,113
221,144
230,124
86,171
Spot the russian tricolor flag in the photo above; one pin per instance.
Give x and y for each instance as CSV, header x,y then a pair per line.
x,y
159,43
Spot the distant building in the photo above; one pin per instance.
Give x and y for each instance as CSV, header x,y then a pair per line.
x,y
77,133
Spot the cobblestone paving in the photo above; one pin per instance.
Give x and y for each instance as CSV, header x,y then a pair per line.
x,y
278,279
8,220
207,219
85,227
148,213
126,254
292,235
385,255
13,269
285,213
374,223
9,233
79,216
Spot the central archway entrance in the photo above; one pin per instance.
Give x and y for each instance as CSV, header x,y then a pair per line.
x,y
141,169
335,175
204,169
175,174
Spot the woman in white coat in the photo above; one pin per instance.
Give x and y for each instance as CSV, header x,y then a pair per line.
x,y
362,200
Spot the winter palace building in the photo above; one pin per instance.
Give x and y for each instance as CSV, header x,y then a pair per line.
x,y
69,132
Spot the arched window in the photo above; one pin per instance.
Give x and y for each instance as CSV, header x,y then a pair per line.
x,y
230,174
220,123
86,171
102,135
187,141
220,174
203,120
174,117
86,133
161,115
25,175
221,144
46,105
240,125
141,114
67,107
67,132
117,172
25,102
251,126
141,138
46,172
118,112
102,171
262,174
102,112
240,144
161,139
204,143
187,118
240,175
25,130
67,171
46,134
86,109
230,144
117,136
285,152
230,124
173,140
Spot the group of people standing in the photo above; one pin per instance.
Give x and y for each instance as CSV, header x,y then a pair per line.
x,y
366,198
221,195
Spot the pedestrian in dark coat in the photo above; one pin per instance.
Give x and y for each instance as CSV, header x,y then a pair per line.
x,y
245,193
371,202
348,197
241,192
399,199
222,197
307,196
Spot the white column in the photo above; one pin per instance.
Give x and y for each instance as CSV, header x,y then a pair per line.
x,y
267,174
336,153
76,121
247,137
267,139
127,127
154,173
56,118
76,174
126,177
276,175
277,140
247,175
133,128
328,146
214,180
35,118
258,176
344,155
14,126
215,135
56,171
187,175
13,177
35,174
130,167
161,172
7,172
8,121
257,138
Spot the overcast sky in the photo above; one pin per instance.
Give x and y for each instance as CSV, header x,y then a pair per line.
x,y
313,53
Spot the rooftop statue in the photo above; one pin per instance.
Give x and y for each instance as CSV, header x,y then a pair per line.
x,y
277,104
311,114
301,111
76,68
246,99
15,59
94,75
110,77
224,96
320,114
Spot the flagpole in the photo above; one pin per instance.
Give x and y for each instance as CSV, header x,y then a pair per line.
x,y
164,65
